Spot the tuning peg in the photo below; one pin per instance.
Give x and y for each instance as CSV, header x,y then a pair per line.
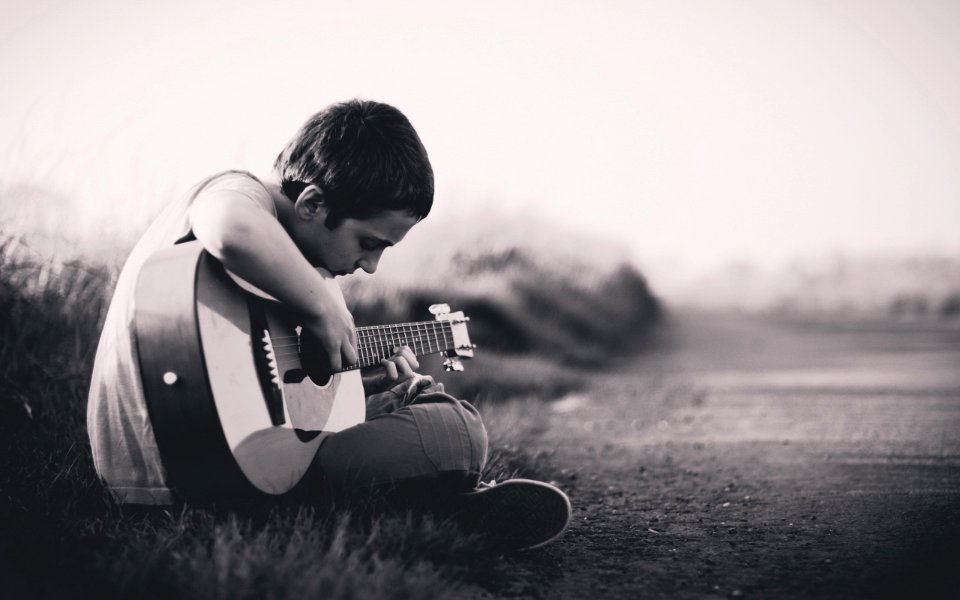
x,y
452,364
439,309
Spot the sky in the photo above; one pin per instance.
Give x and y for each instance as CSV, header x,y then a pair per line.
x,y
692,133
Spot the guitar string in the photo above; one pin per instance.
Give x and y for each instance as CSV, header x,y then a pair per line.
x,y
373,340
377,351
384,333
441,344
315,354
363,365
374,351
398,335
394,340
421,352
438,323
369,333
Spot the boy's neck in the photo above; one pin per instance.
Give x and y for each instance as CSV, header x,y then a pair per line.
x,y
283,205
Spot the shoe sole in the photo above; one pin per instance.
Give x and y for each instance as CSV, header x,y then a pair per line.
x,y
518,514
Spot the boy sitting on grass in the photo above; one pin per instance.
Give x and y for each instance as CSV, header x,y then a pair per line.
x,y
352,182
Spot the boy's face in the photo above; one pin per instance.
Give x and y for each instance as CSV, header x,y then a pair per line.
x,y
354,243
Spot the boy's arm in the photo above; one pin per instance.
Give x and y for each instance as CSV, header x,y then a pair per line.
x,y
251,243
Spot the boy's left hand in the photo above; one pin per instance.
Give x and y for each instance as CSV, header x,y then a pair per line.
x,y
400,367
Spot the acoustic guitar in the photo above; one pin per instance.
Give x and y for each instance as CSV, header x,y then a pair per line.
x,y
236,398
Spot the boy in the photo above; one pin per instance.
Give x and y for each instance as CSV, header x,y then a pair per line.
x,y
351,183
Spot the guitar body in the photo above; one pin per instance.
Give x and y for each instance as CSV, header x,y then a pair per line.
x,y
234,411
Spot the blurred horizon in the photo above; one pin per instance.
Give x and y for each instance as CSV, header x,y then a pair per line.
x,y
898,284
702,142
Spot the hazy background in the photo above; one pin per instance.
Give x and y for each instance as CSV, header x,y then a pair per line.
x,y
752,154
800,157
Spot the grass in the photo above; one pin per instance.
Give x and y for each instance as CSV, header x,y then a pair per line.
x,y
61,534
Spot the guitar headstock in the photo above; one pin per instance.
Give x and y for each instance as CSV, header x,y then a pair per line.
x,y
462,348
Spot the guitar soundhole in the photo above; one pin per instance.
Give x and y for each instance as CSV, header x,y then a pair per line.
x,y
310,357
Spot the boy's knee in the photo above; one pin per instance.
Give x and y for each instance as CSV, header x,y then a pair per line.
x,y
453,437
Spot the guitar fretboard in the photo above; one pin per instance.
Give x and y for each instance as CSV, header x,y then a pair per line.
x,y
424,337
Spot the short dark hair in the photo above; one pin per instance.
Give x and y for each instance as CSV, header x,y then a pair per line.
x,y
364,156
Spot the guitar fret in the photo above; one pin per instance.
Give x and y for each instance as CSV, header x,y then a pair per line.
x,y
413,339
383,343
374,346
397,338
366,349
360,357
371,347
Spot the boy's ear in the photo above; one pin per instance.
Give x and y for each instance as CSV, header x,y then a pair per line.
x,y
310,203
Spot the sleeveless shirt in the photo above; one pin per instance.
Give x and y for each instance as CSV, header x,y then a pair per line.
x,y
124,448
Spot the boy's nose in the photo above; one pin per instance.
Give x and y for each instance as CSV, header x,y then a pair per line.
x,y
369,264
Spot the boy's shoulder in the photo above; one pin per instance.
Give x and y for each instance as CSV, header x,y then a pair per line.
x,y
239,182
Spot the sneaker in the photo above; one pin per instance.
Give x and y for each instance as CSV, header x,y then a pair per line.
x,y
517,514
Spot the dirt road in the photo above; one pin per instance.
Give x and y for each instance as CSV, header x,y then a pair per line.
x,y
761,458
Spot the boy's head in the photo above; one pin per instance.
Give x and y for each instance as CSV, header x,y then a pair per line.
x,y
364,157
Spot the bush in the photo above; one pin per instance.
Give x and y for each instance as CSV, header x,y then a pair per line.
x,y
517,306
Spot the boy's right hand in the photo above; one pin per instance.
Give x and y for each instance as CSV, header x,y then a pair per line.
x,y
335,335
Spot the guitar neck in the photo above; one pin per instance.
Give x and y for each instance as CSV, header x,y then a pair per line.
x,y
423,337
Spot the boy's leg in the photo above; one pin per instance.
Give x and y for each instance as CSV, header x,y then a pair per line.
x,y
433,447
433,439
